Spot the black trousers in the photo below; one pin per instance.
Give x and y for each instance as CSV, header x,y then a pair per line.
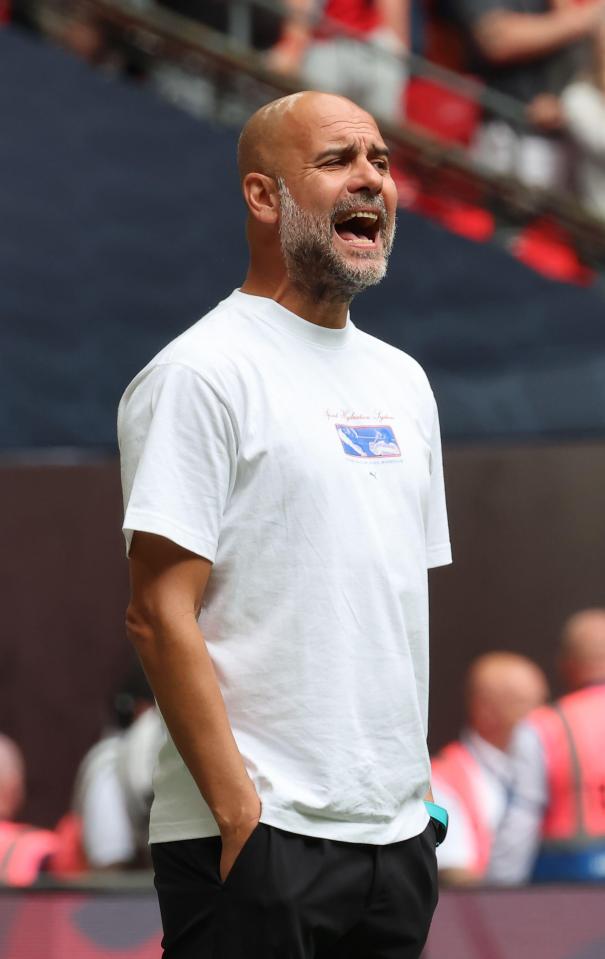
x,y
296,897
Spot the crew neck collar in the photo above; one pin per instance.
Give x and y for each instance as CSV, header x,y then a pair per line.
x,y
290,323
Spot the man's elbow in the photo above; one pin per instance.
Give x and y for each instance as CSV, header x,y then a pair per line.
x,y
140,628
154,628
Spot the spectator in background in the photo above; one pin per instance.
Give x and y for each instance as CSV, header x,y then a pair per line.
x,y
583,115
87,36
113,795
12,778
25,851
358,52
113,791
527,49
263,23
472,776
554,828
86,33
218,93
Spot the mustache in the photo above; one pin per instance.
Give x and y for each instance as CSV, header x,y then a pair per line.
x,y
369,202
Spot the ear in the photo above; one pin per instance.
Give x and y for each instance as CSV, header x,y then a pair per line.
x,y
262,197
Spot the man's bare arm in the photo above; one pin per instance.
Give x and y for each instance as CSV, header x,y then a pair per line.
x,y
395,16
167,588
287,54
505,37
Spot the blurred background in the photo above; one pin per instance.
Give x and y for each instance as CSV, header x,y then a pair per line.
x,y
121,224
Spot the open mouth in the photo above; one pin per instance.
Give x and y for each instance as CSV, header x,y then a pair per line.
x,y
360,228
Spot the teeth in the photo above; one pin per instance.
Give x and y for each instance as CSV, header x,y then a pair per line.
x,y
363,214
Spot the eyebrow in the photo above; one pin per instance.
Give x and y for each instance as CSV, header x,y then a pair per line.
x,y
350,149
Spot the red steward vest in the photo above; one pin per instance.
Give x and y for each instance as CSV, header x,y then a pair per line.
x,y
458,769
572,733
24,852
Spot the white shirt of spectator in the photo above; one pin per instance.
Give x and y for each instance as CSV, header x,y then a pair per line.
x,y
584,111
492,784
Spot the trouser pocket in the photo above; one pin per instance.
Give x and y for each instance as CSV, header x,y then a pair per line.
x,y
240,862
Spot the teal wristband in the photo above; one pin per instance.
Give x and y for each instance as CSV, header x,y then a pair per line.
x,y
439,818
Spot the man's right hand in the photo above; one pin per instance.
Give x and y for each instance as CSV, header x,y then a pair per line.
x,y
168,584
235,833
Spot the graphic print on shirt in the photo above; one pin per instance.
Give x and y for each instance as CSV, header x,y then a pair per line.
x,y
369,442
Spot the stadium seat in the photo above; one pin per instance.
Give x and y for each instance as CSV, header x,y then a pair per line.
x,y
446,114
545,246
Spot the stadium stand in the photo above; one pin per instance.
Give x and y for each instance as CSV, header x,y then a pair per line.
x,y
109,255
122,224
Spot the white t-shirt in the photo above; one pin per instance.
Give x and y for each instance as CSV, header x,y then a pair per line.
x,y
305,463
112,792
584,112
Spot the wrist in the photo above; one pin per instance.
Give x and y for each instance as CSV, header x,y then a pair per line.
x,y
238,814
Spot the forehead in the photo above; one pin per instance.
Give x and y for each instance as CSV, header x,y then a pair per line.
x,y
316,127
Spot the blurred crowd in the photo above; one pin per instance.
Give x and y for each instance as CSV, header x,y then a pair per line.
x,y
524,783
525,780
106,826
539,68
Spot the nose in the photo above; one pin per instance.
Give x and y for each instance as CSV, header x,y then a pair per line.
x,y
365,176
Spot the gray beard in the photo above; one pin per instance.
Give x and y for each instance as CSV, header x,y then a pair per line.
x,y
314,265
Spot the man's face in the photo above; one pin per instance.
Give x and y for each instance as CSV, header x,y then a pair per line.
x,y
337,211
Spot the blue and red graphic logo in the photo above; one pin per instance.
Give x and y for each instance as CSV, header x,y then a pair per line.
x,y
368,442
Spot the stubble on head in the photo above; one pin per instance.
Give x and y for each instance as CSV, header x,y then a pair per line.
x,y
314,265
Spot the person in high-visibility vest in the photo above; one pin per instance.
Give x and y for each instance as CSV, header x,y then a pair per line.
x,y
554,829
24,850
472,775
12,778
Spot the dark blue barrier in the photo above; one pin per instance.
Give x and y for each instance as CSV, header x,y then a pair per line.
x,y
121,223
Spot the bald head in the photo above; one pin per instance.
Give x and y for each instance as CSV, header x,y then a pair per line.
x,y
582,656
501,689
279,127
12,778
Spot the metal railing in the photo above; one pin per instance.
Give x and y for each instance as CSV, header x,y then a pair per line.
x,y
499,104
167,36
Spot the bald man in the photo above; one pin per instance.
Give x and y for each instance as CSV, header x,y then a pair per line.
x,y
12,778
554,829
472,775
279,574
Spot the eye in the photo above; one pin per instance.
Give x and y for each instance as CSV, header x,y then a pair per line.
x,y
381,163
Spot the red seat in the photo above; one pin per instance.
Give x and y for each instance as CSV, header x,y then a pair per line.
x,y
545,246
445,113
465,219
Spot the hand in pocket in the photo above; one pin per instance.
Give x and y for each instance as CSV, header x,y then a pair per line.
x,y
232,846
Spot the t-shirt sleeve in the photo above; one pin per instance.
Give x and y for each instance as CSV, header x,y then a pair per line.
x,y
178,452
438,550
